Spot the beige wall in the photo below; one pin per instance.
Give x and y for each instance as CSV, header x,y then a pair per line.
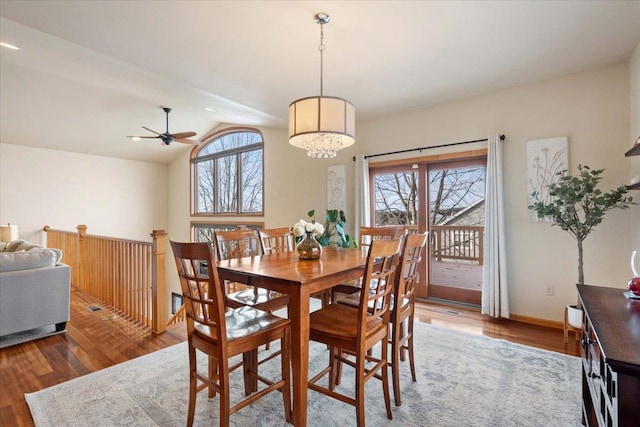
x,y
592,109
113,197
634,105
128,198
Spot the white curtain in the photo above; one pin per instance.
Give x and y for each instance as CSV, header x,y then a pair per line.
x,y
363,216
495,295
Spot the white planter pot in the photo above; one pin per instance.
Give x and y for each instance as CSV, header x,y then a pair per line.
x,y
574,316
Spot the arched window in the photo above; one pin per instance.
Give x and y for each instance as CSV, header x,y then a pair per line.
x,y
228,174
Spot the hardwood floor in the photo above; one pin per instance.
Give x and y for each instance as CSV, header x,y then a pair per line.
x,y
96,340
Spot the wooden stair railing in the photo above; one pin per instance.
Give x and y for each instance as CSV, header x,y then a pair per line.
x,y
126,275
178,317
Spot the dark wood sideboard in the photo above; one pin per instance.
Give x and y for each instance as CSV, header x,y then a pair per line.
x,y
610,358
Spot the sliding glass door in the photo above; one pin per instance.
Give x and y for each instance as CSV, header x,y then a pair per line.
x,y
446,198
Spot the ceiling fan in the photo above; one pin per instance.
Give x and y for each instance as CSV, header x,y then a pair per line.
x,y
167,138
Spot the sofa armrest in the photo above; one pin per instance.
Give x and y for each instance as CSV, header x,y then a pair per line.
x,y
33,298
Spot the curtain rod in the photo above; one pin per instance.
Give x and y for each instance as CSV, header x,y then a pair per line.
x,y
427,148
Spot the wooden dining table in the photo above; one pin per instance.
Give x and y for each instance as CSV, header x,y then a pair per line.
x,y
284,273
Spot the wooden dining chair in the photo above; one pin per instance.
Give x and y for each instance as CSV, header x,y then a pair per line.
x,y
402,309
403,306
244,243
276,240
348,331
222,334
367,235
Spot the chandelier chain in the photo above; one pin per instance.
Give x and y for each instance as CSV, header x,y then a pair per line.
x,y
321,48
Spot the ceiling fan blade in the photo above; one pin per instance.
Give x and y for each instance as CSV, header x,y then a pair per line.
x,y
183,135
150,130
187,141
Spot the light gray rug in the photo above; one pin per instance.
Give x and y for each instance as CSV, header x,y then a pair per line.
x,y
463,380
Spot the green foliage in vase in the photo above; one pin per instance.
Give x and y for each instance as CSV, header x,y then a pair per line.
x,y
334,229
577,205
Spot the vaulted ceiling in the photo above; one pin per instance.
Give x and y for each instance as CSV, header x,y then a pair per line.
x,y
89,73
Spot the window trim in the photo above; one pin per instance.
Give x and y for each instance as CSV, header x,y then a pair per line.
x,y
194,159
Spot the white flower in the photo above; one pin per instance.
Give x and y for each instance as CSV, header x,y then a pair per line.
x,y
318,229
299,229
302,227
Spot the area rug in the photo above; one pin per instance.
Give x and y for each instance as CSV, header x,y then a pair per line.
x,y
463,380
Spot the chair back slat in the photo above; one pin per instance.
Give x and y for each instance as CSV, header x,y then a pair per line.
x,y
410,259
379,278
204,302
236,244
276,240
371,234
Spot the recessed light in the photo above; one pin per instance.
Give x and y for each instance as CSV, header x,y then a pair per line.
x,y
9,46
210,109
135,138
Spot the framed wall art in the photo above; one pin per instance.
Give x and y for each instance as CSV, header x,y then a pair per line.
x,y
546,160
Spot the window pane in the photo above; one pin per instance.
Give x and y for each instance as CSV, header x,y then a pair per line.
x,y
227,184
252,181
231,141
395,198
204,187
453,195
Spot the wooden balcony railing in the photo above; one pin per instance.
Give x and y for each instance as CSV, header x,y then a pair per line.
x,y
126,275
457,242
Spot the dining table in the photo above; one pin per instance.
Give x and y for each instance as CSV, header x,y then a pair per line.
x,y
285,273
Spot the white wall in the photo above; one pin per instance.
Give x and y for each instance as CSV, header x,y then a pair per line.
x,y
113,197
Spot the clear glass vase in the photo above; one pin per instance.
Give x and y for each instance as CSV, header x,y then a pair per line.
x,y
309,248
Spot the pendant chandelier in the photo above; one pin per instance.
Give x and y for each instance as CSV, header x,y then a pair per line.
x,y
321,125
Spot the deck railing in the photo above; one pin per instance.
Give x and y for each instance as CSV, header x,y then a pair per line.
x,y
457,242
126,275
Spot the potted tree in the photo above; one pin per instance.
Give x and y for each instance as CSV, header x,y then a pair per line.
x,y
577,206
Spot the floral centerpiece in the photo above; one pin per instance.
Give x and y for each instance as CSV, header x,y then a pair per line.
x,y
306,233
302,227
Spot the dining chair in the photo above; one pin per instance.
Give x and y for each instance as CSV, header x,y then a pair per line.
x,y
348,331
402,309
223,334
276,240
244,243
367,235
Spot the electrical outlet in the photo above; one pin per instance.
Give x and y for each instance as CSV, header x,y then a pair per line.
x,y
549,290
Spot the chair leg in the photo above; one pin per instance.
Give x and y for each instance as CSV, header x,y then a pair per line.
x,y
385,375
286,375
224,401
396,348
213,374
403,355
249,370
412,364
193,386
360,360
334,366
338,368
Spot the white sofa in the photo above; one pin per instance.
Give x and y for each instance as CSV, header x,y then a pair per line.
x,y
34,288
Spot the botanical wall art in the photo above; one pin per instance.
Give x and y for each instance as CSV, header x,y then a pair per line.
x,y
336,188
546,159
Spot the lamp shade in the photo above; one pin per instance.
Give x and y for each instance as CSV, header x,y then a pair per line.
x,y
321,125
8,233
